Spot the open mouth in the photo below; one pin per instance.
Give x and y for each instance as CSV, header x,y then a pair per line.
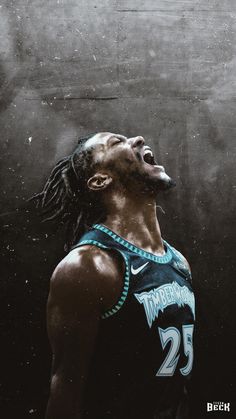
x,y
148,157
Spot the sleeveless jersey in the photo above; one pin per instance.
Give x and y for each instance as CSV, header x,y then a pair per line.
x,y
144,351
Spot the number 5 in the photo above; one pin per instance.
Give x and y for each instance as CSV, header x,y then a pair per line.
x,y
171,334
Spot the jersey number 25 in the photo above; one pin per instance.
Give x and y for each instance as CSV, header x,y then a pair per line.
x,y
171,334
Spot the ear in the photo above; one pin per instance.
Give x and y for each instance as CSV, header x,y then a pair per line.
x,y
99,181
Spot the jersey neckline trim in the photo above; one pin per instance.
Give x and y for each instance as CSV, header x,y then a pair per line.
x,y
143,253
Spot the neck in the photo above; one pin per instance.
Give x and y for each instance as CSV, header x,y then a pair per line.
x,y
136,221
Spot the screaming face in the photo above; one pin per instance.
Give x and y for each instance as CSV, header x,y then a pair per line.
x,y
128,162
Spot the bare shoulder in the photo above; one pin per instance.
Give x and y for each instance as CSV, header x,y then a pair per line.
x,y
88,262
87,272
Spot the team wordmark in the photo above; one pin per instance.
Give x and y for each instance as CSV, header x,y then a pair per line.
x,y
159,298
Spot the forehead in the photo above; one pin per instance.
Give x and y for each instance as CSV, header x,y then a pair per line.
x,y
102,138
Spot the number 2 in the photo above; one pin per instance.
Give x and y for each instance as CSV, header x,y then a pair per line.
x,y
171,334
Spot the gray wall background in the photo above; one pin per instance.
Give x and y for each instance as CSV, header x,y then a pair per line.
x,y
163,69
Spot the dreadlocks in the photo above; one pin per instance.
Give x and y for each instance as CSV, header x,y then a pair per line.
x,y
65,198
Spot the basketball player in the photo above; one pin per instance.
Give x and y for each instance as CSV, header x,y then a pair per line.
x,y
121,305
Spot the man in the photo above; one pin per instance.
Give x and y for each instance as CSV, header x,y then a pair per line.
x,y
121,305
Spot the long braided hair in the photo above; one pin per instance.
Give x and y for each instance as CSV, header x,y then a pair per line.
x,y
65,199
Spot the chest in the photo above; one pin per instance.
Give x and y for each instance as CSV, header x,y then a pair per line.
x,y
161,290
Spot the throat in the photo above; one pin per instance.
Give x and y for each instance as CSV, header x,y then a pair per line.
x,y
139,227
146,240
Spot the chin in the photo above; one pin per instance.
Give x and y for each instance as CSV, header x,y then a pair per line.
x,y
166,180
163,182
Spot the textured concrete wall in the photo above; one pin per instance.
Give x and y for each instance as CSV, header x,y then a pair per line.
x,y
164,69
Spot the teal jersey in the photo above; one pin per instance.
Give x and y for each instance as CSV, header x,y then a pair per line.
x,y
144,352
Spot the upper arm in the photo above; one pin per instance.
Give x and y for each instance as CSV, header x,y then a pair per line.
x,y
84,284
80,286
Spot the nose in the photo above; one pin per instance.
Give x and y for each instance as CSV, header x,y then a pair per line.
x,y
138,141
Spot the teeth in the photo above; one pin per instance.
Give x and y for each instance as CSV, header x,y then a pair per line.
x,y
148,152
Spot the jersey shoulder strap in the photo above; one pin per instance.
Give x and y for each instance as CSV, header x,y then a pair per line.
x,y
103,241
98,238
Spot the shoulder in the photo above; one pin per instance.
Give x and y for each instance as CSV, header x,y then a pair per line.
x,y
180,256
88,261
87,272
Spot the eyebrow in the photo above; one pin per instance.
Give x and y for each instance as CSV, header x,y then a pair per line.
x,y
121,137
